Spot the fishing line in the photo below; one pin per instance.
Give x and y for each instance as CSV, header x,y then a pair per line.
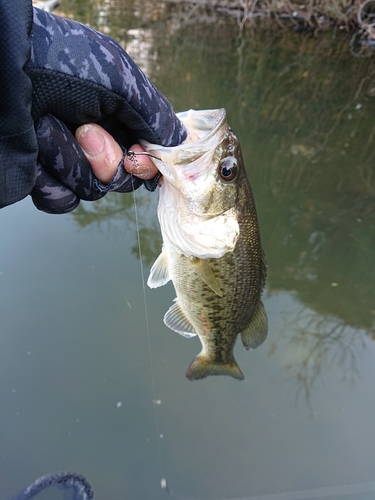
x,y
163,482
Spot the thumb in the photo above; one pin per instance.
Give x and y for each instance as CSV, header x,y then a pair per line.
x,y
101,150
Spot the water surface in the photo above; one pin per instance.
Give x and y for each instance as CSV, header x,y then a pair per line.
x,y
76,382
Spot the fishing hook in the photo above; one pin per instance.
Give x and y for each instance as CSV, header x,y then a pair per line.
x,y
132,154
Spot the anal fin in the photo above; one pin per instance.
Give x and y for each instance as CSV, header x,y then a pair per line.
x,y
176,320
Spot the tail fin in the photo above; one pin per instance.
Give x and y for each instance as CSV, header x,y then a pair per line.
x,y
202,366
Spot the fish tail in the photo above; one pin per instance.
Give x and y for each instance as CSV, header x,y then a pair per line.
x,y
203,366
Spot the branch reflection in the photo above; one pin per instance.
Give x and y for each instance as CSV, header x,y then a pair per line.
x,y
303,110
318,344
116,212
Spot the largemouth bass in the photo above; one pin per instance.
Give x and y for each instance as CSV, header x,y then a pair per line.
x,y
211,244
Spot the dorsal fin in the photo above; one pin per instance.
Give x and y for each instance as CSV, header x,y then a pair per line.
x,y
256,331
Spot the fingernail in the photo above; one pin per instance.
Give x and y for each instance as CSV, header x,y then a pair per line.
x,y
141,171
90,140
134,167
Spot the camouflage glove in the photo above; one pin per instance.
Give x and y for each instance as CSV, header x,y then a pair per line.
x,y
57,74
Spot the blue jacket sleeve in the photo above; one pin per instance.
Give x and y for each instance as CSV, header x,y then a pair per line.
x,y
18,145
56,67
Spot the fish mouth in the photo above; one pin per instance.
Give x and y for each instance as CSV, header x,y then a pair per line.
x,y
207,129
208,126
205,123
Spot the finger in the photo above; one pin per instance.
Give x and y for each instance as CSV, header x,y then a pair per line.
x,y
101,150
61,156
51,196
141,166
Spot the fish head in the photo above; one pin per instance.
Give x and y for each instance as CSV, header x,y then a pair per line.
x,y
204,168
201,182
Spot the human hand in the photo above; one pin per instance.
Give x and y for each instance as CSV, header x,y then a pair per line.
x,y
105,154
74,76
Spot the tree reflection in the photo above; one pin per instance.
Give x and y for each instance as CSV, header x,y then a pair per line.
x,y
318,344
303,110
119,212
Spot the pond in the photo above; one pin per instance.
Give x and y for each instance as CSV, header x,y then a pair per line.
x,y
86,386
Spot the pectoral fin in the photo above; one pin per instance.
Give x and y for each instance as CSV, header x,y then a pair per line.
x,y
176,320
159,274
204,270
256,332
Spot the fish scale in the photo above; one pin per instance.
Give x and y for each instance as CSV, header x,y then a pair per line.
x,y
212,250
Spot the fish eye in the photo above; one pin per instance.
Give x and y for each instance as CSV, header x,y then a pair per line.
x,y
228,168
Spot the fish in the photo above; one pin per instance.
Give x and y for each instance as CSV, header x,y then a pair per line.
x,y
211,248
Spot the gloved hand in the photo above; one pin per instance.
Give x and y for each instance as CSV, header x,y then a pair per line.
x,y
57,74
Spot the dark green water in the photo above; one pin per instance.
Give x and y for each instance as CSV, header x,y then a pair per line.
x,y
76,388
